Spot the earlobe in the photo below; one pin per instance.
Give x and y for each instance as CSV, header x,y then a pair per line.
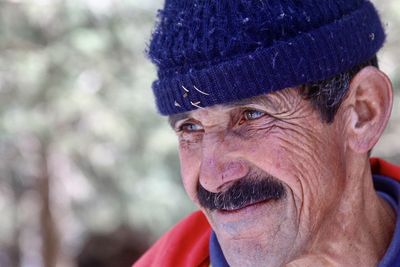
x,y
370,100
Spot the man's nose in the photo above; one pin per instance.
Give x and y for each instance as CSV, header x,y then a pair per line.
x,y
221,165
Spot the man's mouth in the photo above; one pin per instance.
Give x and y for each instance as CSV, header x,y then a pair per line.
x,y
243,193
244,206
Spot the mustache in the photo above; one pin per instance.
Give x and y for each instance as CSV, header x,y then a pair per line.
x,y
246,191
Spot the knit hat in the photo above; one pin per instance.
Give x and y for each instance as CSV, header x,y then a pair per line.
x,y
211,52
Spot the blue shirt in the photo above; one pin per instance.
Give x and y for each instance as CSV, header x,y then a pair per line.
x,y
387,188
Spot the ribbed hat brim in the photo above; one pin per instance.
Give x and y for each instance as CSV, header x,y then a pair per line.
x,y
310,56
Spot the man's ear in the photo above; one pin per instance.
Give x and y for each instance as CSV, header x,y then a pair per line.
x,y
368,107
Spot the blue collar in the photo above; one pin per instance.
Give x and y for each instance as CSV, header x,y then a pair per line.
x,y
217,257
387,188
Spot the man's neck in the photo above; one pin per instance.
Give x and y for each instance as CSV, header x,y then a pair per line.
x,y
352,234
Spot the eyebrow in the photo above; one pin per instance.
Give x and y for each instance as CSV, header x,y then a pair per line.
x,y
263,100
174,118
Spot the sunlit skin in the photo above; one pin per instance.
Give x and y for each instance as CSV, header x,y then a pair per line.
x,y
331,215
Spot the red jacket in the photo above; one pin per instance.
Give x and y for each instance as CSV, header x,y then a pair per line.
x,y
186,244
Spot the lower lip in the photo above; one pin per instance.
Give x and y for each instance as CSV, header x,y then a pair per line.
x,y
244,209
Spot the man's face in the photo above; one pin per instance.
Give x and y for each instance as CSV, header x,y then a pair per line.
x,y
276,170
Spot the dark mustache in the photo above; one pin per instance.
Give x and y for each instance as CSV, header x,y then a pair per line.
x,y
244,192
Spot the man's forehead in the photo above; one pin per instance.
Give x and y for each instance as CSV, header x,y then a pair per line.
x,y
267,100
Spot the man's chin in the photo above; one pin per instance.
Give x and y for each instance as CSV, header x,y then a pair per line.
x,y
248,220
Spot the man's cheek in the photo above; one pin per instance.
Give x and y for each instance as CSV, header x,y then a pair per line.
x,y
190,166
272,157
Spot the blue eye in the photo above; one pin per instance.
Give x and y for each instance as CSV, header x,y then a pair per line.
x,y
190,127
252,114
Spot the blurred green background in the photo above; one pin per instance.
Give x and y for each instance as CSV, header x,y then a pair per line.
x,y
89,174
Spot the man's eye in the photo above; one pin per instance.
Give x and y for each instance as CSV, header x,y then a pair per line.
x,y
190,127
252,114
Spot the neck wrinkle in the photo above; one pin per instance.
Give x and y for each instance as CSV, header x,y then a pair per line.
x,y
352,234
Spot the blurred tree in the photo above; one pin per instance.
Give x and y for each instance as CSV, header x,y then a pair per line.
x,y
118,248
76,118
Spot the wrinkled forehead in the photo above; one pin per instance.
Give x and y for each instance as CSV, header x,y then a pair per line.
x,y
272,101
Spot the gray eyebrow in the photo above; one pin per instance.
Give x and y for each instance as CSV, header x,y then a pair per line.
x,y
174,118
261,99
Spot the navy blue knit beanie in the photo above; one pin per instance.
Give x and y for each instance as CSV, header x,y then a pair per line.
x,y
211,52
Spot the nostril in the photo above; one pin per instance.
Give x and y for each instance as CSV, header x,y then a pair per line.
x,y
217,174
234,170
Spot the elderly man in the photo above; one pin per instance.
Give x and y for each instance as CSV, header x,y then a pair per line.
x,y
277,105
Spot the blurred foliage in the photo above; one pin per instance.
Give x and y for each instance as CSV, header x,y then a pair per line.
x,y
75,87
82,148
